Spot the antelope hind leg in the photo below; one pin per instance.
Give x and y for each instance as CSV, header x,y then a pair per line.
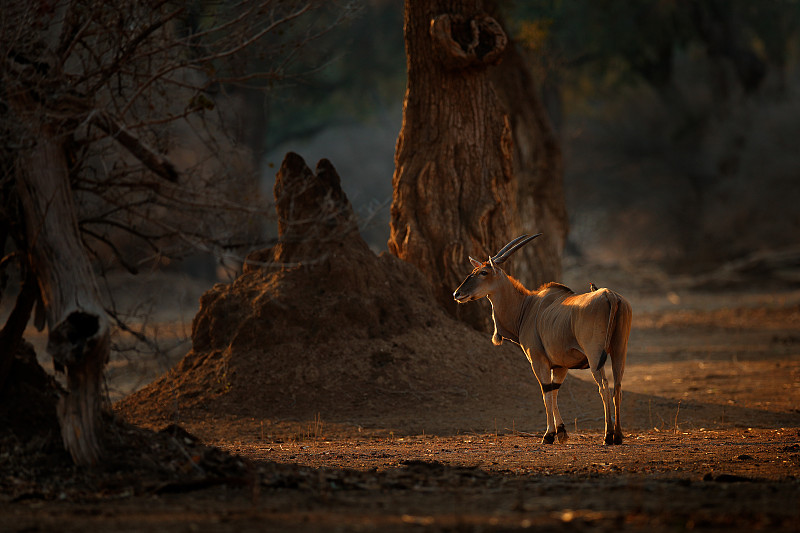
x,y
561,434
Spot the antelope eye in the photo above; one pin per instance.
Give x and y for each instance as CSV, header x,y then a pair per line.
x,y
484,273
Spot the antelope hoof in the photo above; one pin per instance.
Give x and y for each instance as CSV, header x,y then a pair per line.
x,y
617,437
609,439
561,434
549,438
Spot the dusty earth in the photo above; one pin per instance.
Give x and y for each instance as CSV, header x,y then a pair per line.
x,y
331,394
712,443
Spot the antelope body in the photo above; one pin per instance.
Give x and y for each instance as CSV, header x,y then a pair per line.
x,y
558,330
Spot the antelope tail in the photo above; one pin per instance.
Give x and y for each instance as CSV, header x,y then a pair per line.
x,y
613,301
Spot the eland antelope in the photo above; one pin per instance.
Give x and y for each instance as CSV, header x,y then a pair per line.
x,y
558,330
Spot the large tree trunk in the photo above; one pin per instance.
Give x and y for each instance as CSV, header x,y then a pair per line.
x,y
454,184
538,168
78,332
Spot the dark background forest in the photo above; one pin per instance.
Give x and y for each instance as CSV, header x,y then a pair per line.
x,y
678,123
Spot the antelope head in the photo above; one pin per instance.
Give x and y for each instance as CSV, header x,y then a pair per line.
x,y
484,278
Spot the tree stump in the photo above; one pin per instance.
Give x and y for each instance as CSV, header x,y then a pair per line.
x,y
78,331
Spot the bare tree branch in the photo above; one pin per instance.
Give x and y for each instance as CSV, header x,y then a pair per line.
x,y
154,161
132,45
122,261
211,57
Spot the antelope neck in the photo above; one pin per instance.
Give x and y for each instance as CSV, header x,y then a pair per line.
x,y
507,304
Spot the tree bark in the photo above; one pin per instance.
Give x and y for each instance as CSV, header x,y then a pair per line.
x,y
454,181
538,168
78,332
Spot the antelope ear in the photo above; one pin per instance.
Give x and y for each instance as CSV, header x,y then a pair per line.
x,y
491,263
475,262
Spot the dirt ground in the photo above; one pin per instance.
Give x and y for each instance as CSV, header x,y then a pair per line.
x,y
712,428
335,395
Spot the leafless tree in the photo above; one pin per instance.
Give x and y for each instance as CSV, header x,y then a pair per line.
x,y
114,148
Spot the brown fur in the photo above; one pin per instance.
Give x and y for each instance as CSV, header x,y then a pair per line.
x,y
558,329
553,285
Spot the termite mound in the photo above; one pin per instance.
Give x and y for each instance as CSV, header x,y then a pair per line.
x,y
319,325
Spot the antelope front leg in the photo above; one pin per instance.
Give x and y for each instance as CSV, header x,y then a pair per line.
x,y
558,378
541,369
548,393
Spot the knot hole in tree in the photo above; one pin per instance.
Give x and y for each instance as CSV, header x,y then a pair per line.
x,y
69,341
464,42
